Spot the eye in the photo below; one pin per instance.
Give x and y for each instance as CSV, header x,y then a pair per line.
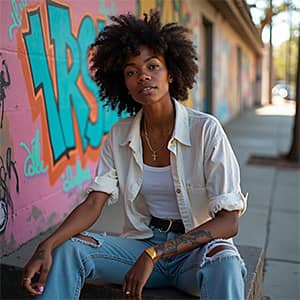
x,y
153,67
130,73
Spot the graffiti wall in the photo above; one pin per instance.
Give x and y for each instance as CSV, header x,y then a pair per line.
x,y
233,73
226,79
52,123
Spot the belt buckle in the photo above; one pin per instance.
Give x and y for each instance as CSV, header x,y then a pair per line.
x,y
169,227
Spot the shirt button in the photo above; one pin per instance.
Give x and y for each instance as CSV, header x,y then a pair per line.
x,y
178,191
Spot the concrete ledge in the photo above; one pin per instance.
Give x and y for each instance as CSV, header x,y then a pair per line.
x,y
11,283
254,258
11,272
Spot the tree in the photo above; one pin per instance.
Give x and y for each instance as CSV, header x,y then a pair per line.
x,y
294,152
286,52
269,13
293,155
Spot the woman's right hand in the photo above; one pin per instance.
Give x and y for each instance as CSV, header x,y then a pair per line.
x,y
37,269
39,265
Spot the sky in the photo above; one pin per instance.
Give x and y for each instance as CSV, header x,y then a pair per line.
x,y
280,22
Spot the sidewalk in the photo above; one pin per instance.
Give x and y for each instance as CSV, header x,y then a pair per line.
x,y
272,218
273,214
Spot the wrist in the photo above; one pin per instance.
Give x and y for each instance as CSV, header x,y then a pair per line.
x,y
151,252
46,245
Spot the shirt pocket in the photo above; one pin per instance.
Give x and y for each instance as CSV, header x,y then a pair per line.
x,y
199,202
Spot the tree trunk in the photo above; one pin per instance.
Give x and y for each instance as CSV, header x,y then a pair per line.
x,y
294,152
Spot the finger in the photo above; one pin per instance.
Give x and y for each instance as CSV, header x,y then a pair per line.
x,y
139,290
135,288
139,297
128,286
131,287
125,285
39,289
26,278
29,287
43,275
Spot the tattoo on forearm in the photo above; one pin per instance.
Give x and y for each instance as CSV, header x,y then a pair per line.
x,y
39,255
192,239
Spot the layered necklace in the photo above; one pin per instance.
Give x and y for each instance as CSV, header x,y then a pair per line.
x,y
153,151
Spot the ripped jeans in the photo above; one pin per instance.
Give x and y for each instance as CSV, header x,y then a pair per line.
x,y
109,258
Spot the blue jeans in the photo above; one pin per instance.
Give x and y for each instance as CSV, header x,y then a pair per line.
x,y
109,258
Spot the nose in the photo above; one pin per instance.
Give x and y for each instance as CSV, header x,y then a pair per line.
x,y
144,77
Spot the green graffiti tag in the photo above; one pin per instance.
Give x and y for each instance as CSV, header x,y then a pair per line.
x,y
109,11
15,17
71,181
33,165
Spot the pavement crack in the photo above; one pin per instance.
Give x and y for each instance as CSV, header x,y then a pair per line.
x,y
283,260
270,210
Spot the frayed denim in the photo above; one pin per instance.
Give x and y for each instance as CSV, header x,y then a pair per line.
x,y
109,258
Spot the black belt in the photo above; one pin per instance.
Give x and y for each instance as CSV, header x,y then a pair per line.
x,y
168,225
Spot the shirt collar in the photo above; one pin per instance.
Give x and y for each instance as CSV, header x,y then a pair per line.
x,y
133,137
181,131
182,128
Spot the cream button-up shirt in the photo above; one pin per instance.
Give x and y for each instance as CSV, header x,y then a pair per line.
x,y
204,168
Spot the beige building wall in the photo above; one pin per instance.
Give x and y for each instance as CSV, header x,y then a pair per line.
x,y
234,64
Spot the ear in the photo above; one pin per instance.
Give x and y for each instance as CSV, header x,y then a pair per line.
x,y
170,78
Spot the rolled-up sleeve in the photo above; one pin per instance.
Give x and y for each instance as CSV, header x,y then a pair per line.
x,y
106,179
222,174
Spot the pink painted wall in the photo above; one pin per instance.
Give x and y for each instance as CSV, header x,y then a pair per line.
x,y
51,125
43,176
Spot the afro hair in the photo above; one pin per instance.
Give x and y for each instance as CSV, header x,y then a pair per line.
x,y
122,38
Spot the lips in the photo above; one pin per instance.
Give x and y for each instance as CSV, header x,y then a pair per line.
x,y
146,89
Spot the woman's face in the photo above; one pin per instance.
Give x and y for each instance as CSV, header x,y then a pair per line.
x,y
146,77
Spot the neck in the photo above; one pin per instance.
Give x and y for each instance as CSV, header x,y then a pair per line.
x,y
158,117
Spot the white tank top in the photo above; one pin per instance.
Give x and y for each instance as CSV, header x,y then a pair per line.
x,y
159,192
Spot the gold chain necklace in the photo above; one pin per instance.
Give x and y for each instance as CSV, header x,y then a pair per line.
x,y
154,152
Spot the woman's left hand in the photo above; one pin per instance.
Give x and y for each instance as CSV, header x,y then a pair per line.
x,y
137,276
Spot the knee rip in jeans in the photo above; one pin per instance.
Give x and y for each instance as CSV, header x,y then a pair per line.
x,y
221,250
217,250
86,239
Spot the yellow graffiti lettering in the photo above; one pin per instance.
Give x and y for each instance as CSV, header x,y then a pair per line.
x,y
168,13
146,6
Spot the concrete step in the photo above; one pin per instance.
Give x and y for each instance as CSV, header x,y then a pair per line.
x,y
11,272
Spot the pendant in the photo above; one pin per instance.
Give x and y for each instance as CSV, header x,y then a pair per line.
x,y
154,156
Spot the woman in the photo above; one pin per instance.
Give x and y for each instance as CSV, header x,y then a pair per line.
x,y
172,168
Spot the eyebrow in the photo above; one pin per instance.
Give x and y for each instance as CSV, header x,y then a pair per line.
x,y
146,60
